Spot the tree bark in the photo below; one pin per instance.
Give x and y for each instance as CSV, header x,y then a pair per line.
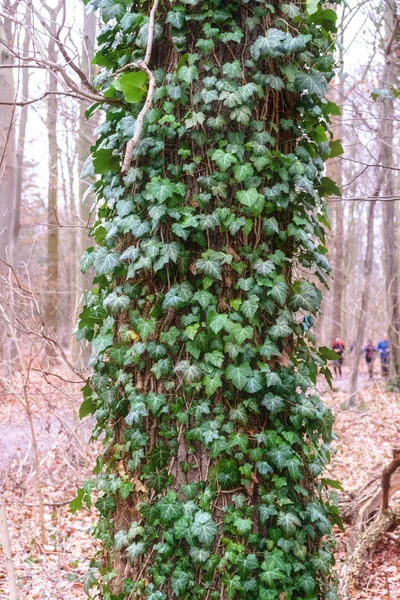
x,y
16,225
7,552
81,350
52,208
389,233
7,151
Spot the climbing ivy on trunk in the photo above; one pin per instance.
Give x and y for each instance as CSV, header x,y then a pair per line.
x,y
208,244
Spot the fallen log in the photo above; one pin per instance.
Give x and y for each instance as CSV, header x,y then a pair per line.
x,y
371,518
359,509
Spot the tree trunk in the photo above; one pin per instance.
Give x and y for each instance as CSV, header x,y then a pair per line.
x,y
363,316
81,350
7,152
201,313
16,226
52,195
7,551
389,233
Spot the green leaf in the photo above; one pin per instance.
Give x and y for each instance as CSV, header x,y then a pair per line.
x,y
188,74
243,171
305,296
204,528
104,161
249,307
312,82
180,581
158,480
223,159
239,374
103,341
288,522
105,262
210,267
116,303
279,292
274,82
273,403
328,353
132,85
160,189
268,45
252,199
112,9
159,455
312,6
169,508
232,70
88,406
328,187
135,550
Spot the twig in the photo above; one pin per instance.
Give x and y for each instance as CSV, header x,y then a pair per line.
x,y
7,552
143,66
386,476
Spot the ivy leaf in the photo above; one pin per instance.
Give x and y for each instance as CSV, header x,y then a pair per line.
x,y
273,568
249,307
158,480
279,292
160,455
273,403
188,74
156,402
268,45
274,82
252,199
232,585
210,267
169,508
279,330
255,383
288,522
116,303
87,260
204,528
279,456
103,341
223,159
269,349
110,9
312,82
105,262
211,384
135,550
160,189
132,85
239,374
180,581
232,70
311,8
305,296
243,171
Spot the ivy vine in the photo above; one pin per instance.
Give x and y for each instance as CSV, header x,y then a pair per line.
x,y
208,173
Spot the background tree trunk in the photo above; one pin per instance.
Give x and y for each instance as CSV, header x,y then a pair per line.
x,y
85,138
391,257
7,151
52,207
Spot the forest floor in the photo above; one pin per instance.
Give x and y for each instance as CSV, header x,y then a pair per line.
x,y
55,569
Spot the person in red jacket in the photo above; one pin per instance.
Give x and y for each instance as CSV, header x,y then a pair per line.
x,y
338,347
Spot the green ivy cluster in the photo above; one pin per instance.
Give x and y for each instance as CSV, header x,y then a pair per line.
x,y
200,318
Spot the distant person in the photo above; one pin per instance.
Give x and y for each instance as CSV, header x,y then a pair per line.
x,y
369,351
384,352
338,347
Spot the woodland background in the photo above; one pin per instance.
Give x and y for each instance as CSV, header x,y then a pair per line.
x,y
46,210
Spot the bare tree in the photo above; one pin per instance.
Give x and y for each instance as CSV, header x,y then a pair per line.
x,y
52,209
7,147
